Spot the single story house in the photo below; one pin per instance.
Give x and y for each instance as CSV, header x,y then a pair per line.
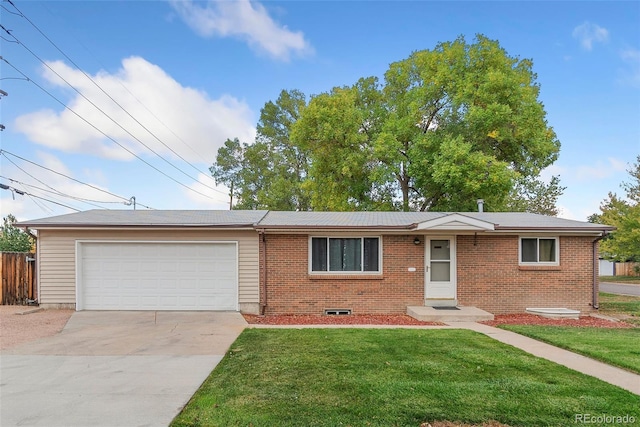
x,y
315,262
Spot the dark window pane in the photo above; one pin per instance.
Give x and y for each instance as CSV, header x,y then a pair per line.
x,y
547,250
318,254
344,254
371,245
529,250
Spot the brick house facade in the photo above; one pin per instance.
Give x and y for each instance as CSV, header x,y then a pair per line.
x,y
309,262
489,276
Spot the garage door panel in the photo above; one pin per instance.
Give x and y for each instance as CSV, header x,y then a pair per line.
x,y
158,276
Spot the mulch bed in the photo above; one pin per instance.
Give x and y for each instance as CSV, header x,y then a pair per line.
x,y
353,319
532,319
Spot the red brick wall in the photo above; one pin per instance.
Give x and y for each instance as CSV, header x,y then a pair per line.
x,y
490,278
292,290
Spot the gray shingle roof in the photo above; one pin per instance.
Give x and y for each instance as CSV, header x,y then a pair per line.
x,y
300,220
160,218
501,220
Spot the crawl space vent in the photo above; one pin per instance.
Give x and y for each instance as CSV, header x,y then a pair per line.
x,y
337,311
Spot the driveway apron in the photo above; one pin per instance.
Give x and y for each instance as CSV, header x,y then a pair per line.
x,y
114,368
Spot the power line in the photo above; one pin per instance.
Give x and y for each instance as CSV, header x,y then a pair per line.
x,y
161,122
113,100
119,82
44,208
47,185
107,136
125,200
54,191
23,193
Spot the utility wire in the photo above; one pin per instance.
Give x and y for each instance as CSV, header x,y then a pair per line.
x,y
124,199
111,98
44,208
54,191
47,185
119,82
107,136
106,115
22,193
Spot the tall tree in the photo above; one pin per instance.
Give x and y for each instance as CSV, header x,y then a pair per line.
x,y
12,239
535,196
449,125
269,173
446,126
624,214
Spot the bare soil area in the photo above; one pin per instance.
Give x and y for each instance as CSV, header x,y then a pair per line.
x,y
532,319
353,319
18,329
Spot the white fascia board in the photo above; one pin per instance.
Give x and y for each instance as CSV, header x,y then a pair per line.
x,y
455,222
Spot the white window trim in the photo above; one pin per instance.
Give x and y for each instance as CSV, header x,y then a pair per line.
x,y
345,273
554,263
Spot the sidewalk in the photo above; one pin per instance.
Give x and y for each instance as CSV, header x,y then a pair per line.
x,y
616,376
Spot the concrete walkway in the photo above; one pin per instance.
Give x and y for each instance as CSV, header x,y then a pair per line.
x,y
616,376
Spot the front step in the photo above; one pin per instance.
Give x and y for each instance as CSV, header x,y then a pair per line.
x,y
462,314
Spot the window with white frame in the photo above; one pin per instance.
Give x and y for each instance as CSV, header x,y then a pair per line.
x,y
345,254
539,250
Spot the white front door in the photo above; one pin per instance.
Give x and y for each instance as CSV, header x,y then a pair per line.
x,y
440,270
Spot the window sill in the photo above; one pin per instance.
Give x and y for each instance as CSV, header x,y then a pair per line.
x,y
353,276
539,268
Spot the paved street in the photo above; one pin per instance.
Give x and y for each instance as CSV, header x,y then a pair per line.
x,y
620,289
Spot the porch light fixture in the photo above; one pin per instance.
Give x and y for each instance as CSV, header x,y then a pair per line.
x,y
416,241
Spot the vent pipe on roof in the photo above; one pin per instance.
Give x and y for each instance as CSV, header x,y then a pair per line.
x,y
480,205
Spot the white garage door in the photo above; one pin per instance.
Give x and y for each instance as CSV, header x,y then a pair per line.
x,y
157,276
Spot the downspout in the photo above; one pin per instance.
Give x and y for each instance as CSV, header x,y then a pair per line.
x,y
594,302
36,270
263,276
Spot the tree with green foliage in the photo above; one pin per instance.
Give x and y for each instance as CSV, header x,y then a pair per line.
x,y
535,196
13,239
624,214
269,173
446,127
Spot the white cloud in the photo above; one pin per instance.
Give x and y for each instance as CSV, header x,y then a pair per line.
x,y
631,76
600,170
202,124
246,20
588,33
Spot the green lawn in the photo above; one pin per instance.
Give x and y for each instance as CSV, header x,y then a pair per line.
x,y
618,347
616,305
392,377
631,280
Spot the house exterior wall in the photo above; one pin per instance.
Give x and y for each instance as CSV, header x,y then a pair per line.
x,y
290,289
490,277
57,260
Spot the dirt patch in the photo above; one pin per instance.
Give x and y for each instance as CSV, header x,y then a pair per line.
x,y
18,329
352,319
532,319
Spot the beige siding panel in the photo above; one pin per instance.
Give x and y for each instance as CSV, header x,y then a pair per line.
x,y
57,257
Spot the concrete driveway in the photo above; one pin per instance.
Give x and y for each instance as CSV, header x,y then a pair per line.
x,y
114,368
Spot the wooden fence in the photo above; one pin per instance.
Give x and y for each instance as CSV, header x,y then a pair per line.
x,y
626,269
18,272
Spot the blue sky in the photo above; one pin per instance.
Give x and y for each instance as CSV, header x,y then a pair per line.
x,y
197,73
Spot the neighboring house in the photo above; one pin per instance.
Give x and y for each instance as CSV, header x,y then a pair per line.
x,y
313,262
